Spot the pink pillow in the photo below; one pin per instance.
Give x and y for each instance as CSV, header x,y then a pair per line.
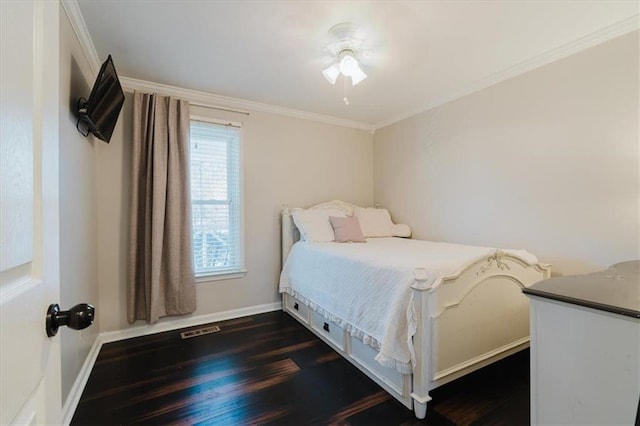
x,y
346,230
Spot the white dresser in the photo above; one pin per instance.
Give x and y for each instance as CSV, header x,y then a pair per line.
x,y
585,348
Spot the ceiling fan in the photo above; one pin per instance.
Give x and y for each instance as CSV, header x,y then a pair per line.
x,y
346,47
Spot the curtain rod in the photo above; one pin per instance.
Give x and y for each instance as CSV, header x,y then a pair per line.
x,y
239,111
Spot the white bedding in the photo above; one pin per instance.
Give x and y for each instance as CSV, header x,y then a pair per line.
x,y
366,288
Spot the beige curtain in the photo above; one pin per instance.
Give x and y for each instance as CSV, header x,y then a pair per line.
x,y
161,277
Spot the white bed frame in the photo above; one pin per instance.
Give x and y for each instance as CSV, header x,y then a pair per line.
x,y
470,319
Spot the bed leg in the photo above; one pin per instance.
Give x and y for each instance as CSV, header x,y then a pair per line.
x,y
420,408
422,344
420,405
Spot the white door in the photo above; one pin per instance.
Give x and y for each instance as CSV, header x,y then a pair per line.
x,y
29,230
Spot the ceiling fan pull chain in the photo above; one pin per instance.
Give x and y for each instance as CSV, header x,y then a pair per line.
x,y
345,99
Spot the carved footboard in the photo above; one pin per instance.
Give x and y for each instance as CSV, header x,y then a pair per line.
x,y
470,319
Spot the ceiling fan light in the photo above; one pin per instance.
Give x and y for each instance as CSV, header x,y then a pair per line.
x,y
357,75
348,64
332,73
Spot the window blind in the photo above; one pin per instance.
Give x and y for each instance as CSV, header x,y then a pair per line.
x,y
216,198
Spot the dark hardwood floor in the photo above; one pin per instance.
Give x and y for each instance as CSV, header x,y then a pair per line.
x,y
269,369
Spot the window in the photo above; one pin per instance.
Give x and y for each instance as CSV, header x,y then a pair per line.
x,y
216,199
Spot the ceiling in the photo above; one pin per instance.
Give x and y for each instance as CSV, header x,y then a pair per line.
x,y
273,52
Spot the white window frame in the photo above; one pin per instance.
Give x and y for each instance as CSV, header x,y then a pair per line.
x,y
241,271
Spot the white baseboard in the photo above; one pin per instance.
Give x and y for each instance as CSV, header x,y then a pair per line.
x,y
71,403
175,324
73,399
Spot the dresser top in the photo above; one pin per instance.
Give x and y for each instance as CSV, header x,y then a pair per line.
x,y
616,289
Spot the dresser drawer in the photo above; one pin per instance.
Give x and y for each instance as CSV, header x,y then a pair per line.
x,y
328,329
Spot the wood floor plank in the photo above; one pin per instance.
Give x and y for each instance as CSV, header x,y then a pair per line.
x,y
269,369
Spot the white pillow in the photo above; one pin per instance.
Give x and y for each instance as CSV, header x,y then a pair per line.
x,y
374,222
400,230
314,225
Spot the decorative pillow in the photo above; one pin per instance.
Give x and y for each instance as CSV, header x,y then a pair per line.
x,y
400,230
346,229
374,222
314,225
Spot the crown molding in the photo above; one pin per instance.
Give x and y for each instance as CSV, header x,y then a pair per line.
x,y
225,102
605,34
72,9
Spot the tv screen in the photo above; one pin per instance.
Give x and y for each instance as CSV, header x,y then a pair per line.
x,y
101,111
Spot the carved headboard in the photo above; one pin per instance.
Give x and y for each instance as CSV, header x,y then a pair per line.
x,y
290,233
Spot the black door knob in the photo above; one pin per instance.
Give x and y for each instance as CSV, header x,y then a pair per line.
x,y
79,317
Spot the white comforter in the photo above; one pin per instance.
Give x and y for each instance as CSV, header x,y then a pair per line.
x,y
366,287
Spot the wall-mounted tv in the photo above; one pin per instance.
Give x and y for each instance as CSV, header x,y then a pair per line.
x,y
101,111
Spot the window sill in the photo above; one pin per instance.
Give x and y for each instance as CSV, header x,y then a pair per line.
x,y
206,277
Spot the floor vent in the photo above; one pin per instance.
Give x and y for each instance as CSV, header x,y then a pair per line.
x,y
199,332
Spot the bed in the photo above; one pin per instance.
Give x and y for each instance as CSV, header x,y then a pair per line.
x,y
412,315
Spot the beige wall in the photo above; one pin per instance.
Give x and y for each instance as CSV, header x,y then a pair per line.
x,y
78,206
286,159
547,161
